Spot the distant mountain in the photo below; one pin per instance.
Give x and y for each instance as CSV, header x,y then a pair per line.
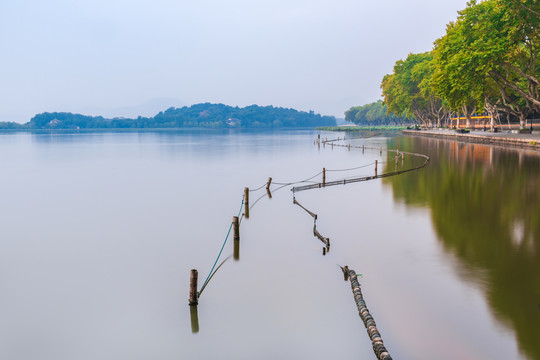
x,y
196,116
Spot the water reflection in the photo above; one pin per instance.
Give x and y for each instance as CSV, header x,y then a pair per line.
x,y
484,207
193,311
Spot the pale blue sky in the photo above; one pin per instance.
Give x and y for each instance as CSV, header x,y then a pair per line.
x,y
105,56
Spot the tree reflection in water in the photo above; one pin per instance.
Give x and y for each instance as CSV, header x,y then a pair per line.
x,y
485,208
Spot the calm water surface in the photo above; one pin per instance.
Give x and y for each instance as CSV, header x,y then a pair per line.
x,y
100,230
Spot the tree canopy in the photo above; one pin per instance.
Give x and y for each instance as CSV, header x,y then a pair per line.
x,y
486,61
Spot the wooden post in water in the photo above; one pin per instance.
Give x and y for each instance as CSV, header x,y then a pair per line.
x,y
345,273
236,228
193,297
323,176
268,183
236,238
362,149
376,167
380,152
397,157
349,147
246,202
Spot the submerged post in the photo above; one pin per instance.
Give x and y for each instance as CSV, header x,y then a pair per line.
x,y
268,183
380,152
246,202
323,176
362,149
349,147
376,167
193,297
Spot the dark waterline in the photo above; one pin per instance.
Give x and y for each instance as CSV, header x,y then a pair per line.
x,y
100,231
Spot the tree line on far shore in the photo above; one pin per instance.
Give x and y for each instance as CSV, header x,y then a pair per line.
x,y
196,116
487,62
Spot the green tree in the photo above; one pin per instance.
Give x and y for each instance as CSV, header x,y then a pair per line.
x,y
409,89
488,59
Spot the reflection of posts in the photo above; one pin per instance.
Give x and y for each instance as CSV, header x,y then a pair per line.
x,y
194,318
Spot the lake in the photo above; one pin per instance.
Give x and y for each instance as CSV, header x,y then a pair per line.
x,y
99,232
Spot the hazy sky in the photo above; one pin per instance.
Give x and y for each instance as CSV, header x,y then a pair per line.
x,y
105,56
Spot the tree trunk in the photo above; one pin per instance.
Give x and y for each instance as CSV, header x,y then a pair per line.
x,y
522,121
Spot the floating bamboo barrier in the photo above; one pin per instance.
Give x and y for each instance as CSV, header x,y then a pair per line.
x,y
376,340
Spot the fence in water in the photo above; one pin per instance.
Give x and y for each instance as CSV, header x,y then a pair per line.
x,y
378,345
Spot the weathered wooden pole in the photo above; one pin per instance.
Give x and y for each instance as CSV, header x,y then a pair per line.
x,y
324,251
236,238
236,228
380,152
362,149
268,183
376,162
193,297
349,147
246,202
323,176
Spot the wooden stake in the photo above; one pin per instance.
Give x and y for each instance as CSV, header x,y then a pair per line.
x,y
193,297
324,251
380,153
349,147
246,202
323,176
236,228
268,183
362,149
376,162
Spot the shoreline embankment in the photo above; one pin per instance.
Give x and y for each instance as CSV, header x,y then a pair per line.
x,y
524,141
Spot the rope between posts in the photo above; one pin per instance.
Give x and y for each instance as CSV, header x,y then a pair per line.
x,y
358,167
220,251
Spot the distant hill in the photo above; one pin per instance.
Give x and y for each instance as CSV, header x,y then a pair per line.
x,y
196,116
